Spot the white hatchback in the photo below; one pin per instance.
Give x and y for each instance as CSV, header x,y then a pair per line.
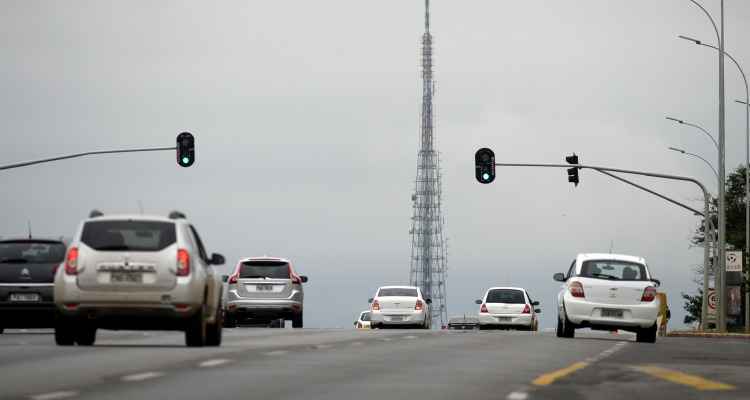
x,y
402,306
608,292
507,307
363,322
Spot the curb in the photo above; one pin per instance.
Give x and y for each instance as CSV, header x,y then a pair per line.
x,y
745,336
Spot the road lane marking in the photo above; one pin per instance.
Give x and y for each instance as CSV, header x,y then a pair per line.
x,y
517,396
548,378
65,394
276,353
410,337
323,346
214,362
682,378
142,376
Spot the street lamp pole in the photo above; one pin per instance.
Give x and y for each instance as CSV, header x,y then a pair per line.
x,y
687,153
682,122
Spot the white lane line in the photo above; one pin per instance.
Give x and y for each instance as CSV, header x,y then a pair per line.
x,y
410,337
517,396
64,394
142,376
276,352
214,363
323,346
357,344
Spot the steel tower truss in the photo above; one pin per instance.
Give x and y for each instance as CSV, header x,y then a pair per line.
x,y
428,246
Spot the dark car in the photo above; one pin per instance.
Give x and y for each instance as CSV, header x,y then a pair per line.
x,y
27,271
463,323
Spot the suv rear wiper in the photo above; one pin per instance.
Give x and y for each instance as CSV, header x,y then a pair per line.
x,y
253,277
121,248
14,261
605,276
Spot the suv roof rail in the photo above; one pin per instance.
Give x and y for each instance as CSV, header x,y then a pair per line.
x,y
177,215
95,213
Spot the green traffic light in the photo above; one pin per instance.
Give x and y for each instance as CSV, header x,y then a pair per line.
x,y
185,160
486,176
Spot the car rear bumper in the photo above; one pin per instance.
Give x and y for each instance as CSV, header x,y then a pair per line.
x,y
589,314
140,317
486,319
263,310
395,318
27,315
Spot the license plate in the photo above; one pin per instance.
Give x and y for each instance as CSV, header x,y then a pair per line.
x,y
504,319
264,288
25,297
396,319
611,313
126,277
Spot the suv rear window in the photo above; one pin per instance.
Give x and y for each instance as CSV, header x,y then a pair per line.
x,y
613,270
32,252
128,235
365,316
264,269
507,296
401,292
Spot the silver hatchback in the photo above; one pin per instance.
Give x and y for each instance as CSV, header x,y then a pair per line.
x,y
263,290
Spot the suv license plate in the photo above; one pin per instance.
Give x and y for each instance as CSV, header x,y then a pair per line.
x,y
397,319
25,297
504,319
264,288
126,277
606,312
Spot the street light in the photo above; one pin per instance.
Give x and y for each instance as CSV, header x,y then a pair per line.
x,y
687,153
721,285
682,122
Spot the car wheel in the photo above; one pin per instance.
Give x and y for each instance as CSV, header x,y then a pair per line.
x,y
64,335
565,328
85,335
195,334
647,335
2,330
277,323
230,321
214,331
297,320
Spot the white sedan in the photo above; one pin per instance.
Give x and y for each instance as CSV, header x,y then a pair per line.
x,y
401,306
608,292
507,307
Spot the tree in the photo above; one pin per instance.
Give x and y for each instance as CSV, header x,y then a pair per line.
x,y
693,307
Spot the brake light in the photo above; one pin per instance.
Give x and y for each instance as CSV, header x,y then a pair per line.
x,y
576,289
232,279
483,309
526,309
375,306
183,262
649,294
71,261
419,306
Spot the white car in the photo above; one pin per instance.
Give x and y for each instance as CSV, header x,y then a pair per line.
x,y
363,322
402,306
507,307
608,292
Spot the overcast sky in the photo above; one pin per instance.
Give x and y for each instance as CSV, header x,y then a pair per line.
x,y
306,117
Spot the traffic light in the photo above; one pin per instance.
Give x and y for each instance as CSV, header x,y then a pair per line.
x,y
572,172
484,162
185,149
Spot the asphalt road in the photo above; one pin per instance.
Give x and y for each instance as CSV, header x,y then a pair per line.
x,y
390,364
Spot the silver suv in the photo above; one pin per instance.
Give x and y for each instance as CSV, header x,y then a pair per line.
x,y
262,290
138,272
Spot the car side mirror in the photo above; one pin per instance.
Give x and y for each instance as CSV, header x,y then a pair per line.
x,y
669,314
477,301
534,303
303,278
428,301
560,277
355,323
538,310
657,282
224,278
369,300
216,259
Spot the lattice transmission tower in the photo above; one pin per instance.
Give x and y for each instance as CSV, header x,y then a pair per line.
x,y
428,246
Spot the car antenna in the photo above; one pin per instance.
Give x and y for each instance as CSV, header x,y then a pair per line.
x,y
611,245
28,225
140,206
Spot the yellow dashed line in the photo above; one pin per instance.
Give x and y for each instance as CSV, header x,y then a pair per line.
x,y
684,379
546,379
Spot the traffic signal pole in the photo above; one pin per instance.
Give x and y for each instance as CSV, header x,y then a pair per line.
x,y
77,155
705,214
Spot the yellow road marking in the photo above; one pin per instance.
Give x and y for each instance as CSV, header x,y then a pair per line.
x,y
546,379
684,379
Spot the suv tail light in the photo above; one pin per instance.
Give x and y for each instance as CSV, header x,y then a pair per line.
x,y
233,278
71,261
183,262
419,306
649,294
576,289
375,306
483,309
526,309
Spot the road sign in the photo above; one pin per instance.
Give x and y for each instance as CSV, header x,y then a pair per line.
x,y
712,300
734,261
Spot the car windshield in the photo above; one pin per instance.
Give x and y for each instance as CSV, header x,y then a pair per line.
x,y
264,269
613,270
401,292
32,252
507,296
365,316
128,235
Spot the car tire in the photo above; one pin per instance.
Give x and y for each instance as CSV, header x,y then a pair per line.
x,y
2,330
85,335
195,333
647,335
214,331
64,334
297,321
230,321
565,328
277,323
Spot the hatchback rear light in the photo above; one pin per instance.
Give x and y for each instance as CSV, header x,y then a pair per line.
x,y
419,306
233,279
576,289
375,306
649,294
183,262
526,309
483,309
71,261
